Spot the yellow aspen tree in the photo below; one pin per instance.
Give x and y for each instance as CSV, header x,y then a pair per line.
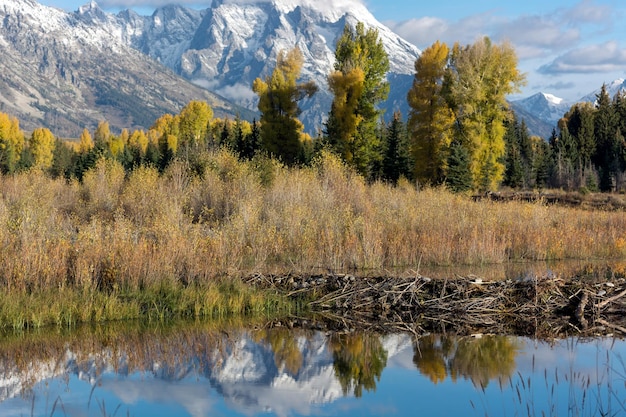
x,y
102,134
347,88
11,142
41,146
86,142
430,118
481,76
117,144
139,141
361,49
194,123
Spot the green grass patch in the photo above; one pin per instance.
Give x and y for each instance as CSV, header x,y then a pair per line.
x,y
67,307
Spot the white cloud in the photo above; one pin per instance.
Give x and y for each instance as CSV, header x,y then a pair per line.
x,y
238,93
588,12
606,57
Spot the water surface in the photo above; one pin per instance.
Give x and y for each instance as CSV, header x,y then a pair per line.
x,y
198,369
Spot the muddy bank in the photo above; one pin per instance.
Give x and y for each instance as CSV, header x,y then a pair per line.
x,y
544,307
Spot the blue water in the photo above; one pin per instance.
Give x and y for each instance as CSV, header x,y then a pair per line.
x,y
296,373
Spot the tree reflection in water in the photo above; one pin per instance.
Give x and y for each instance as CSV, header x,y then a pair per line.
x,y
359,360
283,342
478,359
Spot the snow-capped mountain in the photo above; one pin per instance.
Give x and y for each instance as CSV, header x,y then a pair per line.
x,y
541,112
612,88
67,71
225,47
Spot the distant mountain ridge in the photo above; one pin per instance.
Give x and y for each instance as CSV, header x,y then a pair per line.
x,y
68,71
542,111
225,47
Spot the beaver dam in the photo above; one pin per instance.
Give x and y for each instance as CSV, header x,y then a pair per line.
x,y
543,307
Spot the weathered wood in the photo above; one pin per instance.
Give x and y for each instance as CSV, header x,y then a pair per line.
x,y
539,304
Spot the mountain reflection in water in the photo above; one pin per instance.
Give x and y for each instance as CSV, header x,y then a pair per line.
x,y
202,370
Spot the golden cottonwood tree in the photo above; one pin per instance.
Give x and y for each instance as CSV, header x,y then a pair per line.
x,y
86,142
480,78
347,89
359,85
281,131
138,142
41,146
194,124
11,142
430,118
102,134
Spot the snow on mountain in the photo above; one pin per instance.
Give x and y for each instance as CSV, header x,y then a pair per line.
x,y
612,88
67,71
225,47
242,370
546,107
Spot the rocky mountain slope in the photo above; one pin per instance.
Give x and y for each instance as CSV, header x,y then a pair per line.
x,y
225,47
541,112
67,71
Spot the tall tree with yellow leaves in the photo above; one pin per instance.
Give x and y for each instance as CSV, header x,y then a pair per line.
x,y
41,146
479,79
430,118
359,85
86,142
11,143
194,122
281,131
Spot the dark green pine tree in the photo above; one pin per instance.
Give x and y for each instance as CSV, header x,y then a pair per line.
x,y
395,162
459,178
542,164
63,159
514,171
608,138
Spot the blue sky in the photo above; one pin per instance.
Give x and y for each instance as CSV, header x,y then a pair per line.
x,y
567,48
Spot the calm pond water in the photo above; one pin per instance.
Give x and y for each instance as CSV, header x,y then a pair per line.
x,y
227,370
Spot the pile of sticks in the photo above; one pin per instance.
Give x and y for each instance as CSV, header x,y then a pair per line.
x,y
533,306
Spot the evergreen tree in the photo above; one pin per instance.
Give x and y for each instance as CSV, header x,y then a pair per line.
x,y
459,177
279,94
514,166
608,141
542,163
63,160
395,161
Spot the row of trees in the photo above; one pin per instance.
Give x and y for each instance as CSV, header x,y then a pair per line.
x,y
459,130
456,126
590,150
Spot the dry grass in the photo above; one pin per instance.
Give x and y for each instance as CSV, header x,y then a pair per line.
x,y
117,233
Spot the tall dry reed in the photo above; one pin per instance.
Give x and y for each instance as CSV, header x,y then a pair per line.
x,y
224,218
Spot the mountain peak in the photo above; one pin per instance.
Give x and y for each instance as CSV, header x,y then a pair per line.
x,y
552,99
333,11
93,11
88,7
